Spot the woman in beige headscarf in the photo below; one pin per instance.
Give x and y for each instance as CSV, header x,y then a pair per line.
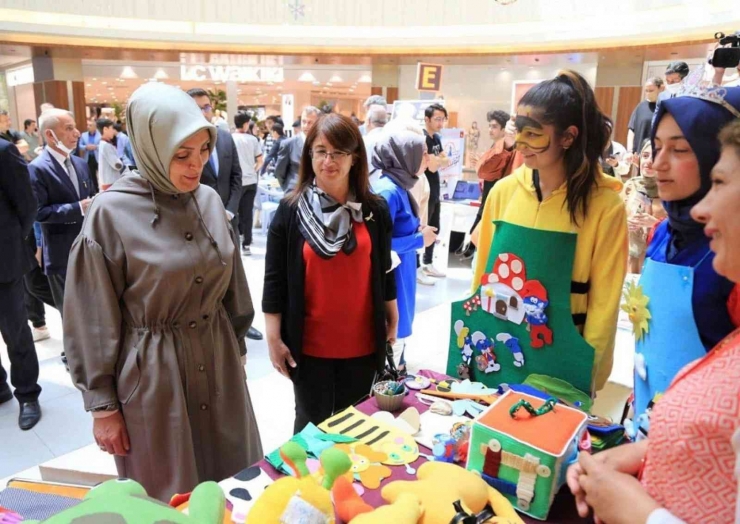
x,y
157,307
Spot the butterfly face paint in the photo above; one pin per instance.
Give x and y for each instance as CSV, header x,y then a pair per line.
x,y
530,135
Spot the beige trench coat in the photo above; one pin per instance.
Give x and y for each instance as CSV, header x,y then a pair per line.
x,y
154,316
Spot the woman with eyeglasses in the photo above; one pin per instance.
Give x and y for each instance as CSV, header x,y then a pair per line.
x,y
330,295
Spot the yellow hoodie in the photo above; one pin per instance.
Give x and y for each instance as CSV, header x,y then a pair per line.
x,y
601,249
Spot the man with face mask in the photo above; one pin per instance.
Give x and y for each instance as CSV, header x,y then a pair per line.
x,y
675,74
642,117
61,181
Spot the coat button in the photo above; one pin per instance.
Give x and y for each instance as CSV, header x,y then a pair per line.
x,y
198,280
203,407
193,325
201,368
188,236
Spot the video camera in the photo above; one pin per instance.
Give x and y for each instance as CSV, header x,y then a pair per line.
x,y
728,56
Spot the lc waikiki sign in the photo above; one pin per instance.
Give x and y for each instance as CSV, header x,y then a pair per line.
x,y
233,73
428,77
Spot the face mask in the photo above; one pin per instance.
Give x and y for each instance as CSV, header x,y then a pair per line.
x,y
674,88
67,151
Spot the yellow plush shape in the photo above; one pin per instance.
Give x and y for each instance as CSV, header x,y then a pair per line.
x,y
272,503
440,484
406,509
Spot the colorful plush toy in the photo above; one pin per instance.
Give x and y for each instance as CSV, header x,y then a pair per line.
x,y
123,501
405,510
440,485
347,501
302,499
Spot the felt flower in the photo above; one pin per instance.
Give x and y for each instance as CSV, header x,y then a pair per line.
x,y
635,305
366,464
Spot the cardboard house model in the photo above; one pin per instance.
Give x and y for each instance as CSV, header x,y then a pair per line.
x,y
525,457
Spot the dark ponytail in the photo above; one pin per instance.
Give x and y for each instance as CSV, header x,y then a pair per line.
x,y
568,100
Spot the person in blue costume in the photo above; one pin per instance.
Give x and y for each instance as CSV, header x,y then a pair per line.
x,y
691,307
401,156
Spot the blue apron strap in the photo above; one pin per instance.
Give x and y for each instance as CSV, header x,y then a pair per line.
x,y
706,255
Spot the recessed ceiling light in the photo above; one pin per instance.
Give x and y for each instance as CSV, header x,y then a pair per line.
x,y
316,83
161,75
94,79
335,79
306,77
329,84
104,83
365,79
88,85
128,72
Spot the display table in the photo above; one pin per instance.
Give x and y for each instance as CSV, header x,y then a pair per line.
x,y
563,510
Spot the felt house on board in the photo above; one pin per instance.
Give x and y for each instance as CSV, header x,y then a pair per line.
x,y
499,293
525,456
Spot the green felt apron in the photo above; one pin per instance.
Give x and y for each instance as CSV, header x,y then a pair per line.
x,y
519,321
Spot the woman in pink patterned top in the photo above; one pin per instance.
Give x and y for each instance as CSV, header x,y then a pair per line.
x,y
689,467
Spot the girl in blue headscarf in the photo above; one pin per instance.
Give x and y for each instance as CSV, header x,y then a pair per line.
x,y
689,307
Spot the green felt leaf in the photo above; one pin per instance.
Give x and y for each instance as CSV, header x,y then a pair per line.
x,y
339,439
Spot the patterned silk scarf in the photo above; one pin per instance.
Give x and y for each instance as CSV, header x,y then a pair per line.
x,y
326,224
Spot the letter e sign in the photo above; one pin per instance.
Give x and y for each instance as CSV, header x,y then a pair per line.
x,y
428,77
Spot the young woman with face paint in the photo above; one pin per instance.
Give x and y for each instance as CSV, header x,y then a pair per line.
x,y
691,307
568,223
686,467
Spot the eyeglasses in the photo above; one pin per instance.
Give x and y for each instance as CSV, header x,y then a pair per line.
x,y
206,108
439,119
336,156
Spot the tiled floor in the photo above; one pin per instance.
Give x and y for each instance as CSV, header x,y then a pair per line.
x,y
65,427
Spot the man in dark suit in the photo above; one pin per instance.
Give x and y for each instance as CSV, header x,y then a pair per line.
x,y
17,213
289,155
222,172
63,187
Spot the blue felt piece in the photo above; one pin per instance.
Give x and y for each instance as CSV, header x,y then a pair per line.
x,y
315,445
524,388
502,486
35,506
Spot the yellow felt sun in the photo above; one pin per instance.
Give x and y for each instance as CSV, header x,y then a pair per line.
x,y
635,305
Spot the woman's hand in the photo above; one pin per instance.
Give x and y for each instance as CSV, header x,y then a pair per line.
x,y
614,496
624,459
111,434
642,220
280,356
430,235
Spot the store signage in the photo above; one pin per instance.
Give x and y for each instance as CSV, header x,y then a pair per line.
x,y
428,77
222,73
17,77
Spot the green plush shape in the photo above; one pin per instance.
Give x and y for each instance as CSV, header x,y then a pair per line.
x,y
335,463
295,456
123,501
548,258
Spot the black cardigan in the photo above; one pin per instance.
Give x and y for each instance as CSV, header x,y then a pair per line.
x,y
285,274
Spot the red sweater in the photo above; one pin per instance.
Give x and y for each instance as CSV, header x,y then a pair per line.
x,y
339,302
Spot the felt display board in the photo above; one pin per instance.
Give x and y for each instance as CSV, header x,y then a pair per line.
x,y
519,321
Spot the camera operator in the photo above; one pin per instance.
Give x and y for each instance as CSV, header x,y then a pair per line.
x,y
726,56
